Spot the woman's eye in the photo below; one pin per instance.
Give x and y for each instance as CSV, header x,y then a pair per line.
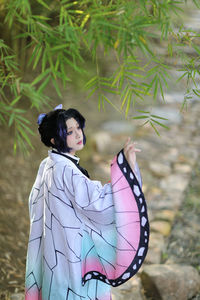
x,y
69,132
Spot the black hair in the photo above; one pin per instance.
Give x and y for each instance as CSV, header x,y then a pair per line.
x,y
54,126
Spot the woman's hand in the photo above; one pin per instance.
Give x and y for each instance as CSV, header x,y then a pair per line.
x,y
130,152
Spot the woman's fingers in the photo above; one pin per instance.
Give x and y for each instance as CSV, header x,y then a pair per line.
x,y
127,142
131,146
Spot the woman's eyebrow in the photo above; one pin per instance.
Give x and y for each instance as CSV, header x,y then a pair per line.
x,y
72,126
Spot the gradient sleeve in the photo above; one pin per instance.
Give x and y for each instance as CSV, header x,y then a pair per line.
x,y
116,230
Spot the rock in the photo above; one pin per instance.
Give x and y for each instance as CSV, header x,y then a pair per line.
x,y
188,155
166,215
156,239
162,227
182,168
105,143
156,247
102,141
175,97
17,297
130,290
173,199
159,169
170,201
171,155
172,114
170,282
175,182
118,127
154,256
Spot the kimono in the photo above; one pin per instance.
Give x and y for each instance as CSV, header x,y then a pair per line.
x,y
84,237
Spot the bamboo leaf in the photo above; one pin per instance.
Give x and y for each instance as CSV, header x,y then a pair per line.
x,y
24,135
37,58
161,89
44,84
92,92
2,119
44,4
196,92
140,117
161,124
40,77
15,101
59,47
144,111
158,117
155,87
107,100
91,82
11,119
128,104
125,98
33,54
26,127
56,87
155,129
19,117
196,48
196,2
185,74
44,60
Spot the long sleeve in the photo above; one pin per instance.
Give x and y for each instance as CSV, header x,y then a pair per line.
x,y
90,198
115,235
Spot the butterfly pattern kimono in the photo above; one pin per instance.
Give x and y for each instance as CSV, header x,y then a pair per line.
x,y
84,237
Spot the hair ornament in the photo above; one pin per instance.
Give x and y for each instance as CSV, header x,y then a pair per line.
x,y
41,116
59,106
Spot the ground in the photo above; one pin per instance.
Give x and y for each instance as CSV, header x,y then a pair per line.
x,y
184,241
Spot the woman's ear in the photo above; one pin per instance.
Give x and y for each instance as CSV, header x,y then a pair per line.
x,y
52,141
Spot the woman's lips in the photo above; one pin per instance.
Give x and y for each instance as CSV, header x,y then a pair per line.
x,y
79,143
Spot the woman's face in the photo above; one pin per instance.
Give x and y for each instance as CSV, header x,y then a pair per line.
x,y
74,136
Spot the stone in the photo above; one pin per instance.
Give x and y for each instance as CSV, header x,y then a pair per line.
x,y
182,168
162,227
188,155
154,256
171,156
102,141
170,282
173,199
107,143
131,290
166,215
172,115
156,239
170,201
174,182
18,296
159,169
118,127
156,247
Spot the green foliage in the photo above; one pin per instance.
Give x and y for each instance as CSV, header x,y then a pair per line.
x,y
57,38
152,120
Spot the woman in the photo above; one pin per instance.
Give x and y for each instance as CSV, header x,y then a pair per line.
x,y
84,237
